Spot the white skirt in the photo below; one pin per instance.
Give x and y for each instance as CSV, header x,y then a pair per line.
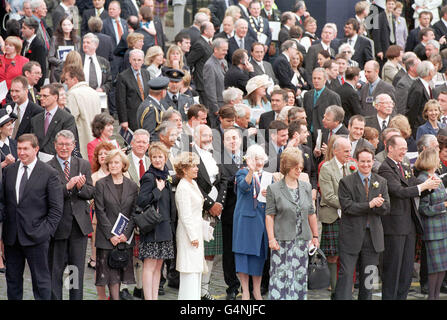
x,y
190,286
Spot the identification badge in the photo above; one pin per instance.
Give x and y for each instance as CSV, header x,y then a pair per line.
x,y
369,99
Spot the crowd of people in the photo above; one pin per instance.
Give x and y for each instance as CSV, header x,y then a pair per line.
x,y
250,135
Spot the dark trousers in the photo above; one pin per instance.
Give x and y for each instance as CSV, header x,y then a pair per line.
x,y
348,261
69,252
398,259
228,264
37,259
423,271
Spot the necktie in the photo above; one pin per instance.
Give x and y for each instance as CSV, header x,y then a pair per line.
x,y
142,171
316,96
17,123
44,31
140,86
430,92
67,170
241,44
119,28
23,182
175,101
269,16
342,80
47,122
366,187
350,42
280,150
93,79
97,12
383,125
343,170
401,169
25,47
32,94
390,21
371,89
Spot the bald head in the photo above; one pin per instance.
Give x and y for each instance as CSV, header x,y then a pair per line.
x,y
371,68
342,150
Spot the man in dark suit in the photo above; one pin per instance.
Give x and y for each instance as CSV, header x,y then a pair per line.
x,y
349,96
259,65
24,108
439,27
69,243
174,98
39,13
33,73
384,35
200,52
363,51
425,18
384,106
150,112
46,124
242,39
131,90
34,47
113,25
300,11
269,12
241,70
218,8
419,94
281,65
194,30
227,28
231,160
129,8
29,221
98,11
327,35
287,21
364,199
243,6
209,185
259,26
331,68
278,101
401,225
106,44
277,142
403,71
356,128
317,100
373,88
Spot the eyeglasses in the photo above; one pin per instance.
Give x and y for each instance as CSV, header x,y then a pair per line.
x,y
59,144
45,95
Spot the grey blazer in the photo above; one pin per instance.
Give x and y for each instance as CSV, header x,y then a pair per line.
x,y
381,87
213,78
268,70
402,88
280,204
134,172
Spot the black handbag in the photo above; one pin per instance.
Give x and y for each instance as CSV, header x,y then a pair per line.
x,y
147,219
119,257
318,275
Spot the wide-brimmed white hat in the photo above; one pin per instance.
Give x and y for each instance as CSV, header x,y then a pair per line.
x,y
256,82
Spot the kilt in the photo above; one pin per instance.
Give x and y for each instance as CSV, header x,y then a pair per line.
x,y
436,255
215,247
329,238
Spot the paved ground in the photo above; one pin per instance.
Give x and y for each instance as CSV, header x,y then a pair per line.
x,y
217,287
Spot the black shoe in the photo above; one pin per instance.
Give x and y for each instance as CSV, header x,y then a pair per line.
x,y
333,296
173,284
161,291
444,287
138,293
3,270
207,297
125,295
232,295
424,289
264,290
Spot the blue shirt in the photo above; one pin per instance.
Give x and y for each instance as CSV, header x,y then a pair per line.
x,y
362,177
135,75
61,162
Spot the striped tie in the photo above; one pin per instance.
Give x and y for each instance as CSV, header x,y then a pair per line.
x,y
67,170
140,86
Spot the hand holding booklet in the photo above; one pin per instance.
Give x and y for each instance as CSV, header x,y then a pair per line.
x,y
120,225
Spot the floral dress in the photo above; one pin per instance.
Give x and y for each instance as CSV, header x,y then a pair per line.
x,y
288,265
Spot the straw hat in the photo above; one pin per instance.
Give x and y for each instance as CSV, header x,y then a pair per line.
x,y
257,82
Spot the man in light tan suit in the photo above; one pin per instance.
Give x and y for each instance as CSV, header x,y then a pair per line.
x,y
330,211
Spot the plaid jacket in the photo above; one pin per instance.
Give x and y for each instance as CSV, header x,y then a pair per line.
x,y
433,211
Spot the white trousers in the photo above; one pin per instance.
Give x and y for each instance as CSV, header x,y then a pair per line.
x,y
190,286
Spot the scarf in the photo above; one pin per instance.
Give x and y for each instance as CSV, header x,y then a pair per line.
x,y
159,174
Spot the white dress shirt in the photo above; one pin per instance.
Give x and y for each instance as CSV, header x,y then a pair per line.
x,y
97,68
29,170
136,162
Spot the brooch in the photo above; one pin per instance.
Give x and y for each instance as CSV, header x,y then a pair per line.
x,y
306,156
169,179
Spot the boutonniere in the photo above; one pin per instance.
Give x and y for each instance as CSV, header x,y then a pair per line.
x,y
37,97
244,158
352,168
169,179
376,184
29,51
306,156
407,174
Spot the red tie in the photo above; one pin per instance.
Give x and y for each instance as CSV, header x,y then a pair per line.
x,y
342,80
47,44
142,171
401,169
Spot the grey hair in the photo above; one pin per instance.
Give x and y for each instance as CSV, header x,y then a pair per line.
x,y
34,4
135,51
424,141
424,68
231,93
284,114
239,21
218,42
299,5
434,43
197,131
319,69
378,98
337,111
255,151
66,134
92,36
345,45
200,18
288,44
141,132
168,114
331,25
241,110
338,141
164,127
407,55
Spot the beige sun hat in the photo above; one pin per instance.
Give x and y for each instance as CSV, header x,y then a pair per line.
x,y
257,82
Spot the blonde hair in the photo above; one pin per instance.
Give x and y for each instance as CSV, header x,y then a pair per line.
x,y
16,42
232,11
168,58
73,57
427,159
290,158
158,147
401,123
151,53
431,103
133,38
117,152
183,161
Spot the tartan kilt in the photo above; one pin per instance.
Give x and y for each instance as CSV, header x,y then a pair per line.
x,y
215,247
329,238
436,255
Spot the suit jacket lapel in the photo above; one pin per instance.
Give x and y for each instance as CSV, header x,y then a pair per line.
x,y
285,191
360,186
112,188
397,170
33,178
54,121
202,169
336,170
